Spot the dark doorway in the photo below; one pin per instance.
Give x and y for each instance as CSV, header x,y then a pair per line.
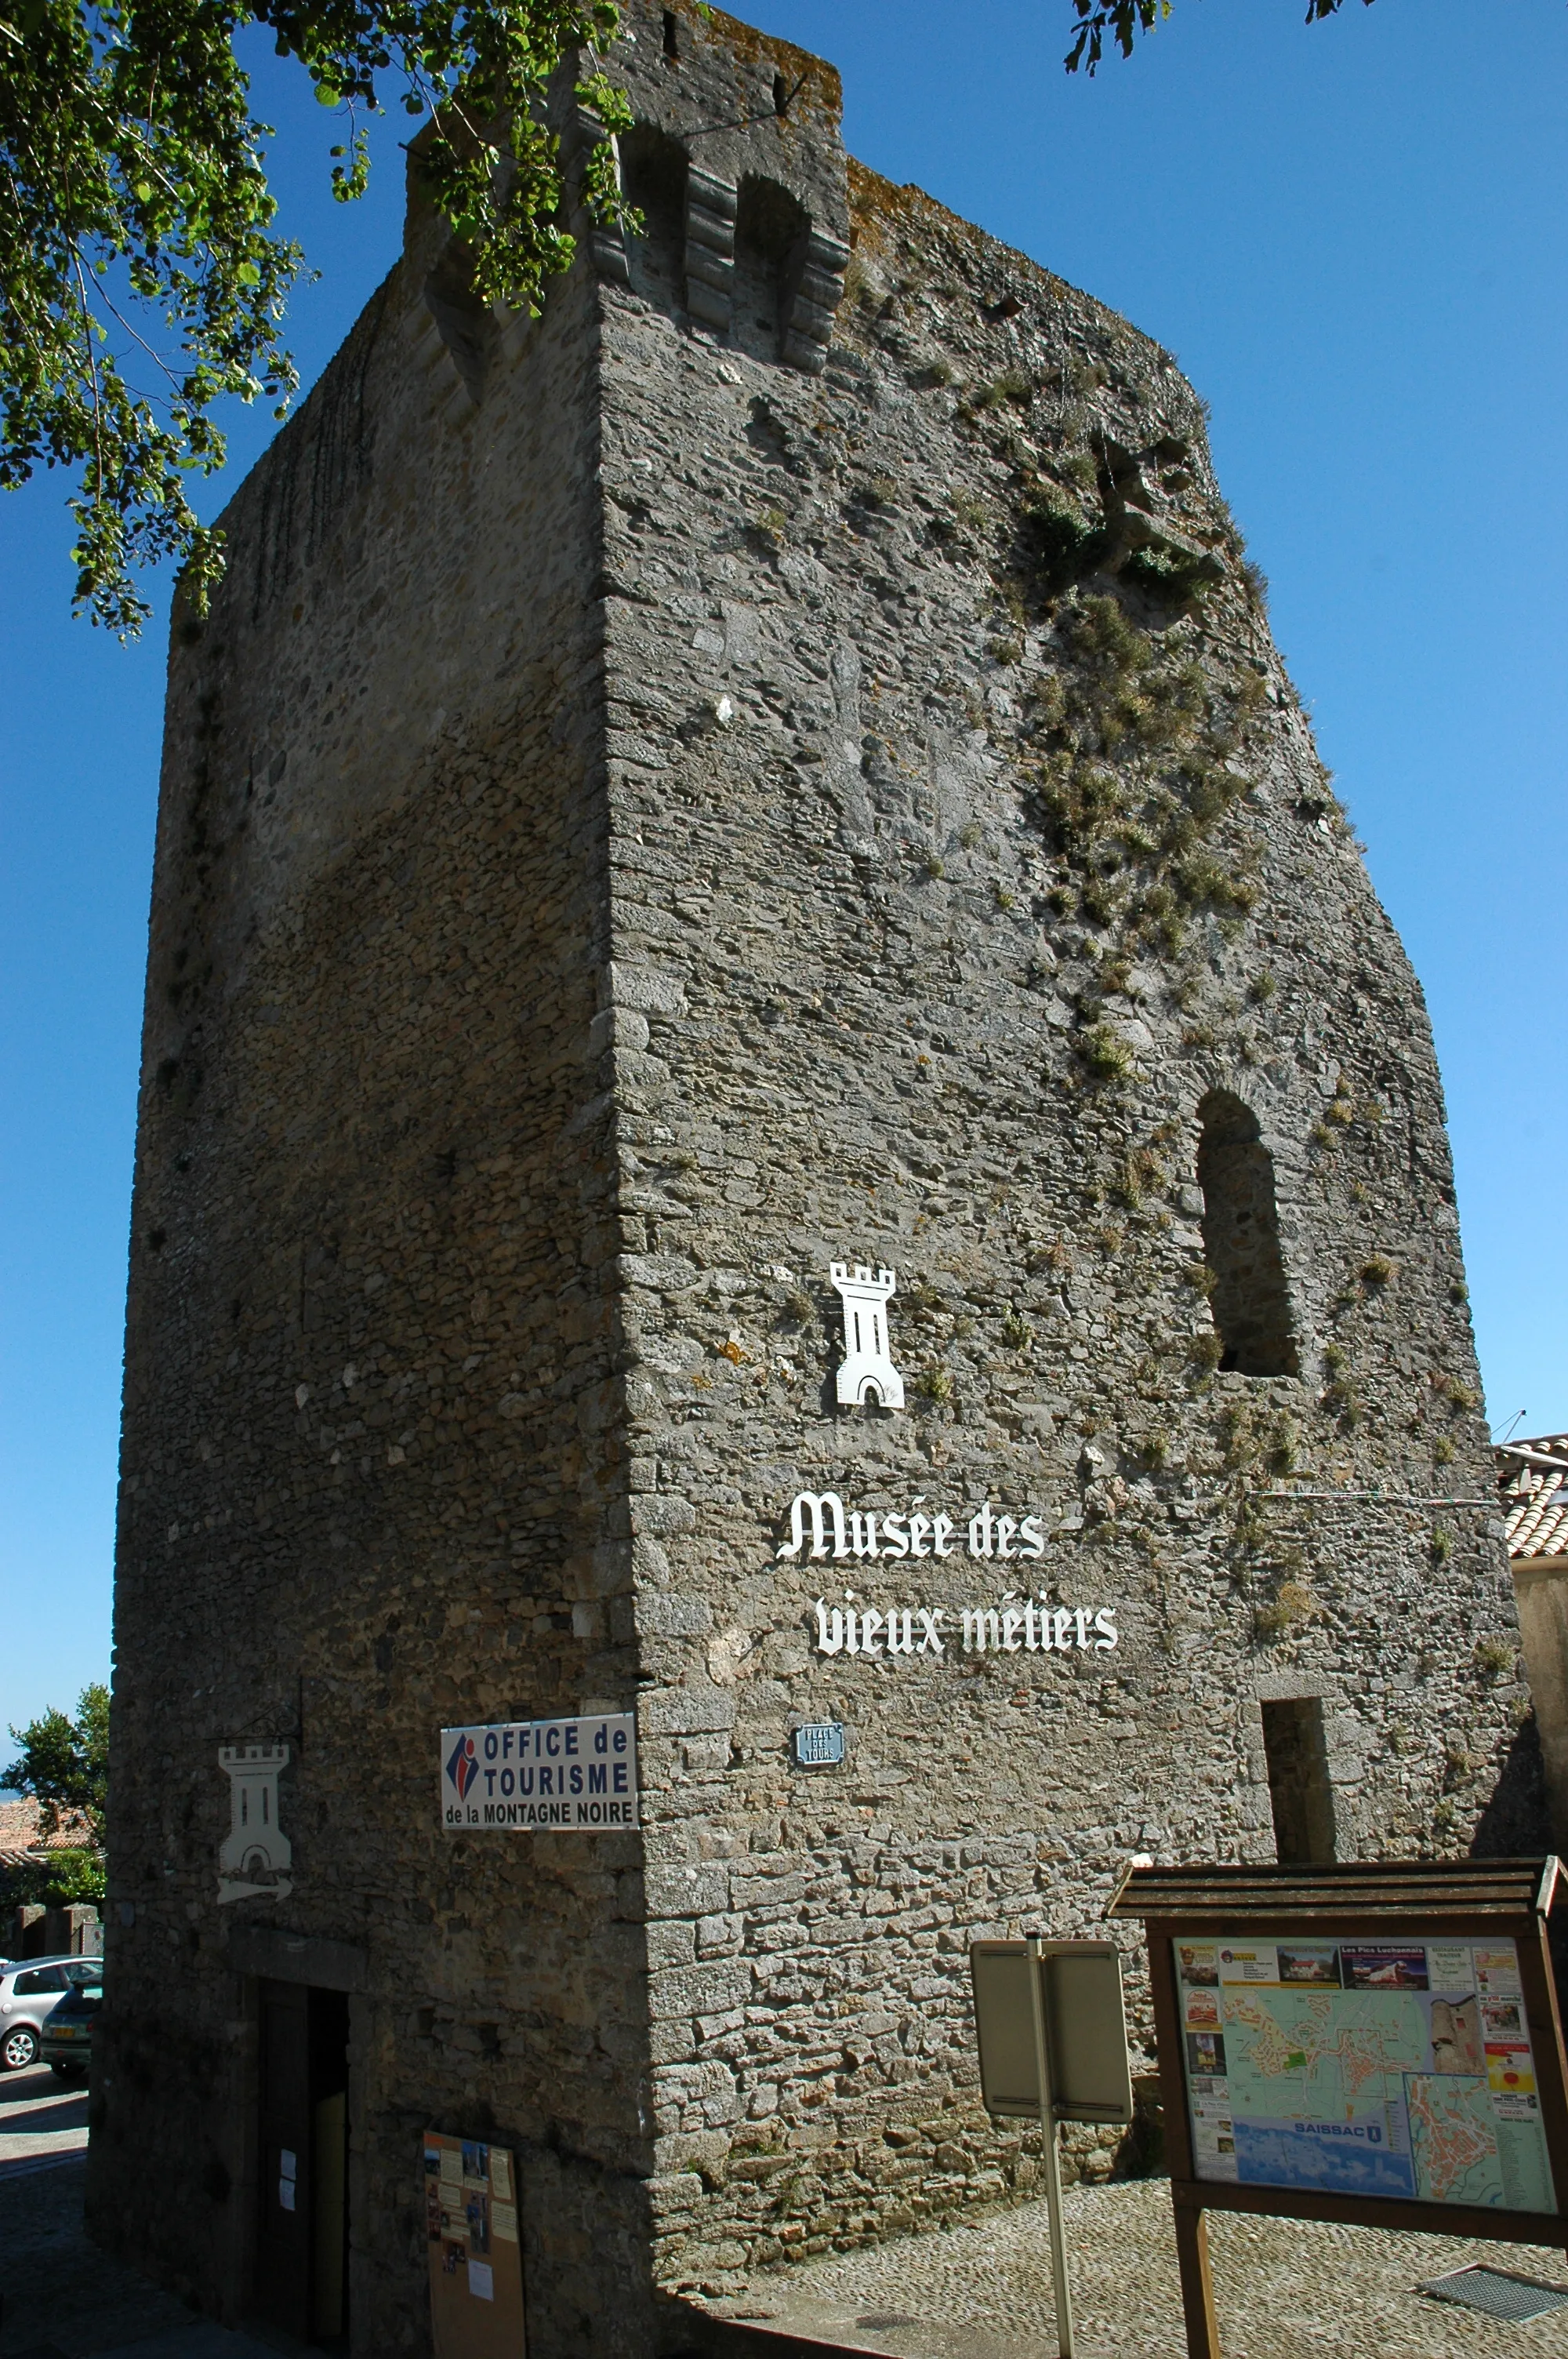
x,y
302,2225
1241,1241
1300,1792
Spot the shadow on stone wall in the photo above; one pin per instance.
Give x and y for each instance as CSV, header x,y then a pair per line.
x,y
1516,1824
1515,1821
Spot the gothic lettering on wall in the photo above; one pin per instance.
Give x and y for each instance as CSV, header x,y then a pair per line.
x,y
1018,1623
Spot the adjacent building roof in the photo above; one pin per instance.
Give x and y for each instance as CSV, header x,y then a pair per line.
x,y
21,1839
1534,1480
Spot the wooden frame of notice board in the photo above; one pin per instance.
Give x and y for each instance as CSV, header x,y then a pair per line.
x,y
1350,1970
470,2202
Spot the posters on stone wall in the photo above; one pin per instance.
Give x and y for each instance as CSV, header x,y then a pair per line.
x,y
470,2198
1397,2070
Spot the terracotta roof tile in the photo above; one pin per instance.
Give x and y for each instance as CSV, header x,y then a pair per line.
x,y
1535,1497
21,1841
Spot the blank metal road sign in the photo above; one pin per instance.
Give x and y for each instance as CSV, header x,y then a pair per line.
x,y
1053,2041
1085,2030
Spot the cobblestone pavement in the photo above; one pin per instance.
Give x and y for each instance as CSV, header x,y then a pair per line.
x,y
60,2297
1284,2289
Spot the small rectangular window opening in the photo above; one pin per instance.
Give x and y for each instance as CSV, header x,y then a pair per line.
x,y
672,41
1300,1792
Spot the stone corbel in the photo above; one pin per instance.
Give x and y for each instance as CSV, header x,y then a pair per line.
x,y
453,392
711,209
1135,515
812,296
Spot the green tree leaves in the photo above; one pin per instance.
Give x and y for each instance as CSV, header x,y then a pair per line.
x,y
1122,21
55,1881
141,281
64,1763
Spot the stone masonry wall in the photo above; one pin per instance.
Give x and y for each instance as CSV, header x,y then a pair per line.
x,y
779,761
896,981
369,1409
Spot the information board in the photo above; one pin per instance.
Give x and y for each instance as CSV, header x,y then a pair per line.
x,y
1376,2044
1366,2069
578,1773
476,2260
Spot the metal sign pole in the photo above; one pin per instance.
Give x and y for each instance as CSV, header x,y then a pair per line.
x,y
1059,2286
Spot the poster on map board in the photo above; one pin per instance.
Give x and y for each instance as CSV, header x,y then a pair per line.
x,y
1400,2069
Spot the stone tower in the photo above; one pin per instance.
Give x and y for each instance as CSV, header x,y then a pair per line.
x,y
774,771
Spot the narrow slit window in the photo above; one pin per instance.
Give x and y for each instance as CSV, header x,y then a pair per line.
x,y
770,226
1250,1299
1300,1792
672,36
654,178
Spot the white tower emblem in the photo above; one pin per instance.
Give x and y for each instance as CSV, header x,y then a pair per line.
x,y
866,1368
255,1846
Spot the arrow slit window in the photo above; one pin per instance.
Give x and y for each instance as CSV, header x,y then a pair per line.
x,y
1250,1299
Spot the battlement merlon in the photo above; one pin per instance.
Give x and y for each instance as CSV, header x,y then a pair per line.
x,y
865,1285
739,102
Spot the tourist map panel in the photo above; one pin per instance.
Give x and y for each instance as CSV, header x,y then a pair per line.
x,y
1364,2069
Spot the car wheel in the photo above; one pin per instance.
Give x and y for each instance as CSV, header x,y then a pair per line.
x,y
18,2049
68,2071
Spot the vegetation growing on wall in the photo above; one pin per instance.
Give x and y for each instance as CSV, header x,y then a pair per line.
x,y
1130,757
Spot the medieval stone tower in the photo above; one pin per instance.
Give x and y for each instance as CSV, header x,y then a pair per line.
x,y
759,802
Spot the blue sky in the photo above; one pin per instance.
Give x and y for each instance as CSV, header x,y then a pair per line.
x,y
1353,237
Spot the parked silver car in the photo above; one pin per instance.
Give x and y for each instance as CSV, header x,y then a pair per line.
x,y
29,1989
